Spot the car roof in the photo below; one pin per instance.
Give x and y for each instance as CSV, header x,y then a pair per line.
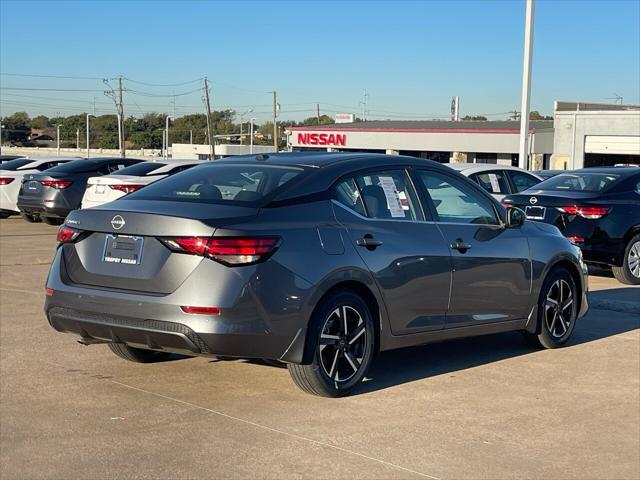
x,y
481,167
171,164
623,171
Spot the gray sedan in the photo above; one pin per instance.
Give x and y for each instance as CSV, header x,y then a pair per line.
x,y
317,261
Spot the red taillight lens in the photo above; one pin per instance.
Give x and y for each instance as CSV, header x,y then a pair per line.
x,y
126,188
591,213
226,250
6,180
59,184
48,291
67,234
576,240
201,310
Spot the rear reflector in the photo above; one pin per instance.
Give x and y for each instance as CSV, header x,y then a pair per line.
x,y
591,213
59,184
576,240
201,310
226,250
67,234
48,291
126,188
6,180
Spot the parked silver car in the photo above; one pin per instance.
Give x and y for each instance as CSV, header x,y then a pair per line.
x,y
314,260
498,180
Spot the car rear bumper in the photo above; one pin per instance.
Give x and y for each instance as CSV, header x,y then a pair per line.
x,y
43,210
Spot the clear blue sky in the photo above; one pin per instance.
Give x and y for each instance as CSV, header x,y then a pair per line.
x,y
411,57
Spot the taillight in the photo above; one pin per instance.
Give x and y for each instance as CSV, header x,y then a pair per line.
x,y
59,184
6,180
576,240
201,310
591,213
67,234
230,251
126,188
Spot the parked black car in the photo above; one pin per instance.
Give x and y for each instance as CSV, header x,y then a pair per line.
x,y
8,158
52,194
598,209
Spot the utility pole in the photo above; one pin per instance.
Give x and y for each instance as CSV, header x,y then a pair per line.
x,y
365,96
88,116
523,161
318,112
58,138
191,137
275,124
121,113
1,128
251,136
77,139
166,132
212,151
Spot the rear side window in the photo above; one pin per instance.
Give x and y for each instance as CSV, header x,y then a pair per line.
x,y
492,182
347,193
14,164
233,184
580,182
522,181
387,195
456,201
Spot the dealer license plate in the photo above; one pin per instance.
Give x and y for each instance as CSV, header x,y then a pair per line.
x,y
535,213
125,249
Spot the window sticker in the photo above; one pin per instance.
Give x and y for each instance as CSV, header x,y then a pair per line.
x,y
495,186
393,197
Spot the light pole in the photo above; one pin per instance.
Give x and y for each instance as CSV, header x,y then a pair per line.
x,y
88,144
78,139
166,132
251,135
526,85
58,138
1,127
241,122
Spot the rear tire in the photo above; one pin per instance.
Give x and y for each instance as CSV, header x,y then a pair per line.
x,y
138,355
53,220
30,218
4,215
557,311
341,340
629,272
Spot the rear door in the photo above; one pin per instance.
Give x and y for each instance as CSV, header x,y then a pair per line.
x,y
491,266
404,250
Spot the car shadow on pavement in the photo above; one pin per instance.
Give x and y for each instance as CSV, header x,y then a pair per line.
x,y
397,367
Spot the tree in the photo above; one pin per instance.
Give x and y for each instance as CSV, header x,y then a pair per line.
x,y
474,117
17,127
535,115
40,122
324,120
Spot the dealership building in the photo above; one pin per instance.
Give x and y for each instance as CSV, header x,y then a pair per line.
x,y
580,135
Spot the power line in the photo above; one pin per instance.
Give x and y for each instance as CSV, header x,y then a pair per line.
x,y
197,80
50,89
50,76
158,95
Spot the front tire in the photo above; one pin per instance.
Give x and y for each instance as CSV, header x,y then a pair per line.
x,y
629,272
557,311
138,355
341,340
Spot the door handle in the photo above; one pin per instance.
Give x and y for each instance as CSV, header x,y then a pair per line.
x,y
460,245
368,242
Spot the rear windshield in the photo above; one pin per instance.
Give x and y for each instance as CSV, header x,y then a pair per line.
x,y
76,166
579,182
246,185
15,164
140,169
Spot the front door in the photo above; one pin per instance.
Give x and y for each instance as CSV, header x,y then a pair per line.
x,y
491,265
406,254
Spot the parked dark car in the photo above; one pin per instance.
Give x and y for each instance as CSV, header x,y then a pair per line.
x,y
314,260
547,174
52,194
598,209
8,158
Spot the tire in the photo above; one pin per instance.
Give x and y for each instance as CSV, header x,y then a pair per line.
x,y
53,220
341,342
138,355
557,311
30,218
4,215
629,272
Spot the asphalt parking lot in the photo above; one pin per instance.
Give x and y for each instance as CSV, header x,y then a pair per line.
x,y
486,407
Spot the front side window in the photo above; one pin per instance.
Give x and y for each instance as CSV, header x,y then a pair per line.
x,y
388,195
457,202
492,182
522,181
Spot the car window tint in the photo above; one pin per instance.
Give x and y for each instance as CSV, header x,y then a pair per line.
x,y
347,193
140,169
219,183
492,182
387,195
457,202
522,181
580,182
15,164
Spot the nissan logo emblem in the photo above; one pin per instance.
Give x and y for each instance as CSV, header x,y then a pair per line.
x,y
532,201
117,222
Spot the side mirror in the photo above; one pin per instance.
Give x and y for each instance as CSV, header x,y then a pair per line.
x,y
515,217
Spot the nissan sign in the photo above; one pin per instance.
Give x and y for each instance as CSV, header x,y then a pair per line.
x,y
329,139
